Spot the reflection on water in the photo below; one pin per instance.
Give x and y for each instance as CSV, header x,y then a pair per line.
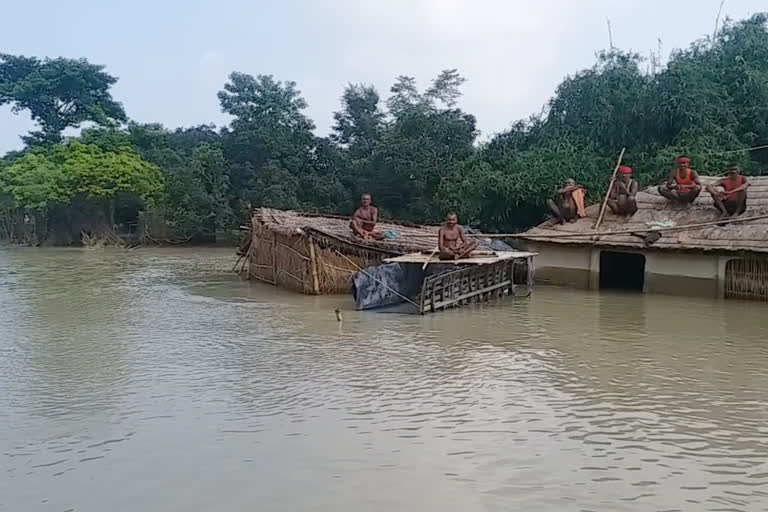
x,y
154,380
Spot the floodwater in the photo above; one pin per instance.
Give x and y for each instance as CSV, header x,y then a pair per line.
x,y
155,380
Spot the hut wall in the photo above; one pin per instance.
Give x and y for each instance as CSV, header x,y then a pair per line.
x,y
666,272
336,265
682,273
279,259
563,265
303,263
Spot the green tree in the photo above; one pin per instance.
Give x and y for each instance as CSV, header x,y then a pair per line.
x,y
59,181
426,142
58,93
269,142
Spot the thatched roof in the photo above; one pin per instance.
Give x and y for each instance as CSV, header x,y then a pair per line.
x,y
655,211
408,238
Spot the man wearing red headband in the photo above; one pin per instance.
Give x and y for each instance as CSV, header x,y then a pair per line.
x,y
683,185
730,193
622,200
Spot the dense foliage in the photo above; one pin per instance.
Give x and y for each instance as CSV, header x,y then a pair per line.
x,y
416,152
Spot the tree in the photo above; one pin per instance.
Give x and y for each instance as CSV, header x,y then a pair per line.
x,y
58,94
360,120
425,144
269,142
62,181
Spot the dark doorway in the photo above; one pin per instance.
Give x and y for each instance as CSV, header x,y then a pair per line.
x,y
622,271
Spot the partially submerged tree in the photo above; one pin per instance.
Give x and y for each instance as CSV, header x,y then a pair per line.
x,y
82,180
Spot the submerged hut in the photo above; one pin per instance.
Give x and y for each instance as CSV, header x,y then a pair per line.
x,y
726,260
318,254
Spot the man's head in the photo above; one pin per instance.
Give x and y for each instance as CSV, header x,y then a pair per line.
x,y
451,219
570,182
732,170
625,173
365,199
683,162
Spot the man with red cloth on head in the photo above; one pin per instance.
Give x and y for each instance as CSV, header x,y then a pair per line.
x,y
683,185
622,199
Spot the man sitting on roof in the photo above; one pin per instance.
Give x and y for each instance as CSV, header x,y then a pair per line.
x,y
364,219
451,241
683,185
622,199
730,193
570,205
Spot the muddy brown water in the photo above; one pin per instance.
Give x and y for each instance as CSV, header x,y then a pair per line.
x,y
154,380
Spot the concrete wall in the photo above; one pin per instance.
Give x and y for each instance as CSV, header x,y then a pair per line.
x,y
668,272
562,265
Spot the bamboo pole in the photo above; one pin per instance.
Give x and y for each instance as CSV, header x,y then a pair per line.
x,y
630,231
608,193
313,266
424,267
570,234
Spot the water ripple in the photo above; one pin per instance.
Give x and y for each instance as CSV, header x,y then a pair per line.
x,y
130,378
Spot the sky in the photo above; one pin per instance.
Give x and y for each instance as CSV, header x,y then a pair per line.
x,y
172,57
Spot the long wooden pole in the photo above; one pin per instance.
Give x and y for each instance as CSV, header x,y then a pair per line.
x,y
424,266
576,234
628,231
313,266
608,193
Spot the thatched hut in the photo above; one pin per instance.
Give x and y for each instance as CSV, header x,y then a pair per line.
x,y
318,254
728,260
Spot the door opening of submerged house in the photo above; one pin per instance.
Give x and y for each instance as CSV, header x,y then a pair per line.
x,y
622,271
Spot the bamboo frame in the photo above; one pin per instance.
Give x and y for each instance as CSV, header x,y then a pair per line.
x,y
747,279
301,262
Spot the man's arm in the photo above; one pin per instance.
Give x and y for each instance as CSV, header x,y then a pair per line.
x,y
695,177
743,186
357,214
374,214
461,236
632,190
671,179
567,189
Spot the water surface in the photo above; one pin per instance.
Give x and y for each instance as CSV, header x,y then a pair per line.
x,y
154,380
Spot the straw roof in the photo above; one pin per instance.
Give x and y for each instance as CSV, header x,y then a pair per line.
x,y
655,211
408,237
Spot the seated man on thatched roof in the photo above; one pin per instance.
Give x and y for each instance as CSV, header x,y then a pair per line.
x,y
683,185
730,193
451,240
570,202
364,219
622,199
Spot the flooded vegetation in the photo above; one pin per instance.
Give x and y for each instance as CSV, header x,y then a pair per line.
x,y
134,378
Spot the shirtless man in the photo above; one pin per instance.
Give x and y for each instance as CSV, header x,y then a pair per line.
x,y
731,196
565,210
364,219
451,241
622,200
683,185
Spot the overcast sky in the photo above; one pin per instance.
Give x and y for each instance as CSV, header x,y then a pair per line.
x,y
172,57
